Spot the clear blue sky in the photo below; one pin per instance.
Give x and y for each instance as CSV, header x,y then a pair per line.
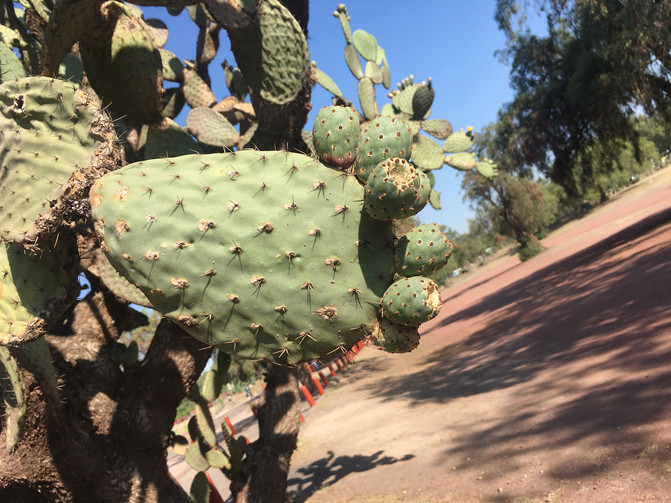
x,y
451,41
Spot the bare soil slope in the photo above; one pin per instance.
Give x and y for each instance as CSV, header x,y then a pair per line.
x,y
548,380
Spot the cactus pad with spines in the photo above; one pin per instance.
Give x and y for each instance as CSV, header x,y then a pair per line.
x,y
336,135
45,137
438,128
460,141
411,301
463,161
392,190
422,99
211,128
10,66
381,139
266,255
366,45
422,251
427,154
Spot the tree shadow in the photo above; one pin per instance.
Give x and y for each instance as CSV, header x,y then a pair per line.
x,y
598,319
330,469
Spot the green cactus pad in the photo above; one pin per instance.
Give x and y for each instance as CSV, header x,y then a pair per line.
x,y
366,91
327,82
487,168
402,100
13,397
158,31
117,285
411,301
173,102
124,49
196,91
366,45
373,72
463,161
173,69
169,139
353,61
211,128
232,14
427,154
336,135
422,251
434,200
33,288
394,338
343,17
438,128
273,56
266,255
45,137
200,486
422,100
10,66
71,69
392,190
461,141
382,138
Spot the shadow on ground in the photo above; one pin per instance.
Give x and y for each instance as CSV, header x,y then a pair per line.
x,y
599,320
330,469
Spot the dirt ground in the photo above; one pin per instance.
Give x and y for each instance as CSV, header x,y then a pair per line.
x,y
548,380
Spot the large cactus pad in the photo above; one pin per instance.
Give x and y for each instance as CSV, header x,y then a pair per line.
x,y
266,255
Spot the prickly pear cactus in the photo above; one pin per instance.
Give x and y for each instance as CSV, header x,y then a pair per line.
x,y
45,138
411,301
422,251
336,135
381,139
266,255
394,338
392,190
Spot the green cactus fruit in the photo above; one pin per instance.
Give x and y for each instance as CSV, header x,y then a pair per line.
x,y
124,49
272,55
427,154
487,168
422,251
336,136
394,338
422,100
173,69
45,138
461,141
353,61
366,91
438,128
327,82
366,45
382,138
10,66
211,128
392,190
463,161
196,91
265,255
232,14
13,397
411,301
169,139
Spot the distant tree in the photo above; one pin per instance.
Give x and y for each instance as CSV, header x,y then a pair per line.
x,y
583,81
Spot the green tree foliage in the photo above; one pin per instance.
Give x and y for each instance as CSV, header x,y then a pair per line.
x,y
582,81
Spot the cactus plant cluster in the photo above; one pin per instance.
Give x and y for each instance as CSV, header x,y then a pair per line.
x,y
288,267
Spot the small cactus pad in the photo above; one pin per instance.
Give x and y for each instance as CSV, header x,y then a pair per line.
x,y
427,154
366,45
382,138
266,255
422,251
438,128
461,141
10,66
30,287
211,128
13,398
463,161
394,338
422,100
336,135
487,168
411,301
45,137
392,190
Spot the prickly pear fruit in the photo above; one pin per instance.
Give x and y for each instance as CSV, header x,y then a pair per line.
x,y
422,251
392,190
381,139
266,255
336,136
411,301
394,338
